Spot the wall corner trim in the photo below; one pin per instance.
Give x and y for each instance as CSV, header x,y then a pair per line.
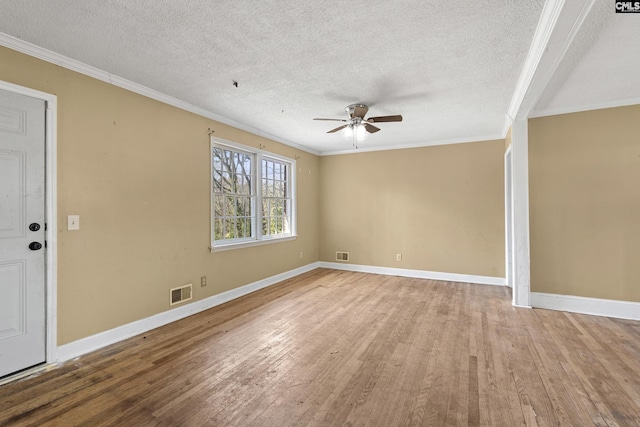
x,y
584,305
94,342
417,274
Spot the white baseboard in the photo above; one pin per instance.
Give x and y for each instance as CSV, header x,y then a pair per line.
x,y
103,339
418,274
583,305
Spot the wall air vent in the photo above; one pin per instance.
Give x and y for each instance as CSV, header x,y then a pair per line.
x,y
181,294
342,256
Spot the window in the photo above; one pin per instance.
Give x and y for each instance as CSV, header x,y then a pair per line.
x,y
252,196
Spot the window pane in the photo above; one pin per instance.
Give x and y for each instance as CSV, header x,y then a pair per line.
x,y
217,158
229,167
270,169
229,229
247,207
218,204
218,230
246,185
239,206
226,182
240,227
247,227
230,206
217,182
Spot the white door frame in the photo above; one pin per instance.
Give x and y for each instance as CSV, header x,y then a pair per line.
x,y
508,219
520,192
51,273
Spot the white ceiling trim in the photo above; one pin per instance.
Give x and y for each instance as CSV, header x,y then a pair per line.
x,y
581,108
561,20
79,67
507,125
550,14
478,138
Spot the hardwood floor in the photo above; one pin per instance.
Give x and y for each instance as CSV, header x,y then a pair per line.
x,y
342,348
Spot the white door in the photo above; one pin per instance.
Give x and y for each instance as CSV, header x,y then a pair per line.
x,y
22,232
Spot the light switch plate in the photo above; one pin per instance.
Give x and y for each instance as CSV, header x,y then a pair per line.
x,y
73,222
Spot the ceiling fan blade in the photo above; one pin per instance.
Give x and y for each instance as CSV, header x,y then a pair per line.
x,y
371,128
360,111
337,129
397,118
332,120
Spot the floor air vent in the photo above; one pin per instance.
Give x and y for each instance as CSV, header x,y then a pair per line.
x,y
181,294
342,256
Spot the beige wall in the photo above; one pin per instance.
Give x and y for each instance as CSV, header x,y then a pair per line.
x,y
585,203
441,207
137,173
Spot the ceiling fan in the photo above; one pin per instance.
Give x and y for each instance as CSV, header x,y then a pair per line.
x,y
356,125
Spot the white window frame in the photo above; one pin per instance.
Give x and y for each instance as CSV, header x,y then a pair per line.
x,y
256,220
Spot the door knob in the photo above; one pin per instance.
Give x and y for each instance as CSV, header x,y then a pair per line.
x,y
34,246
34,226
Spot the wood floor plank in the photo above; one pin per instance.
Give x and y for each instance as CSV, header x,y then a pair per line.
x,y
342,348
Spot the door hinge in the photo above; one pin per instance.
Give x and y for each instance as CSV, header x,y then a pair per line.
x,y
45,226
45,244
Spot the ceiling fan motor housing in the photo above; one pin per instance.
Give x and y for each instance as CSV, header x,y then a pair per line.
x,y
350,109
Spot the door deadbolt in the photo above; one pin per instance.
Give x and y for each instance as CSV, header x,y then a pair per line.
x,y
34,246
34,226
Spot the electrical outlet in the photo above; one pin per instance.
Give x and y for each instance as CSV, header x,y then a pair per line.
x,y
398,257
301,255
73,222
203,281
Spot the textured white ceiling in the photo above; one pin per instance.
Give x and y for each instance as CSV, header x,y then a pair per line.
x,y
450,68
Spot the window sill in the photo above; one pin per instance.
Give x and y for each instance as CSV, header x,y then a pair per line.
x,y
240,245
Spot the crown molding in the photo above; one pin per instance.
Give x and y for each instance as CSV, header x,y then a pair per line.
x,y
478,138
588,107
508,122
98,74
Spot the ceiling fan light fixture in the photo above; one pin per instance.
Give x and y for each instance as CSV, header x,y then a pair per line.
x,y
355,130
348,131
356,126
